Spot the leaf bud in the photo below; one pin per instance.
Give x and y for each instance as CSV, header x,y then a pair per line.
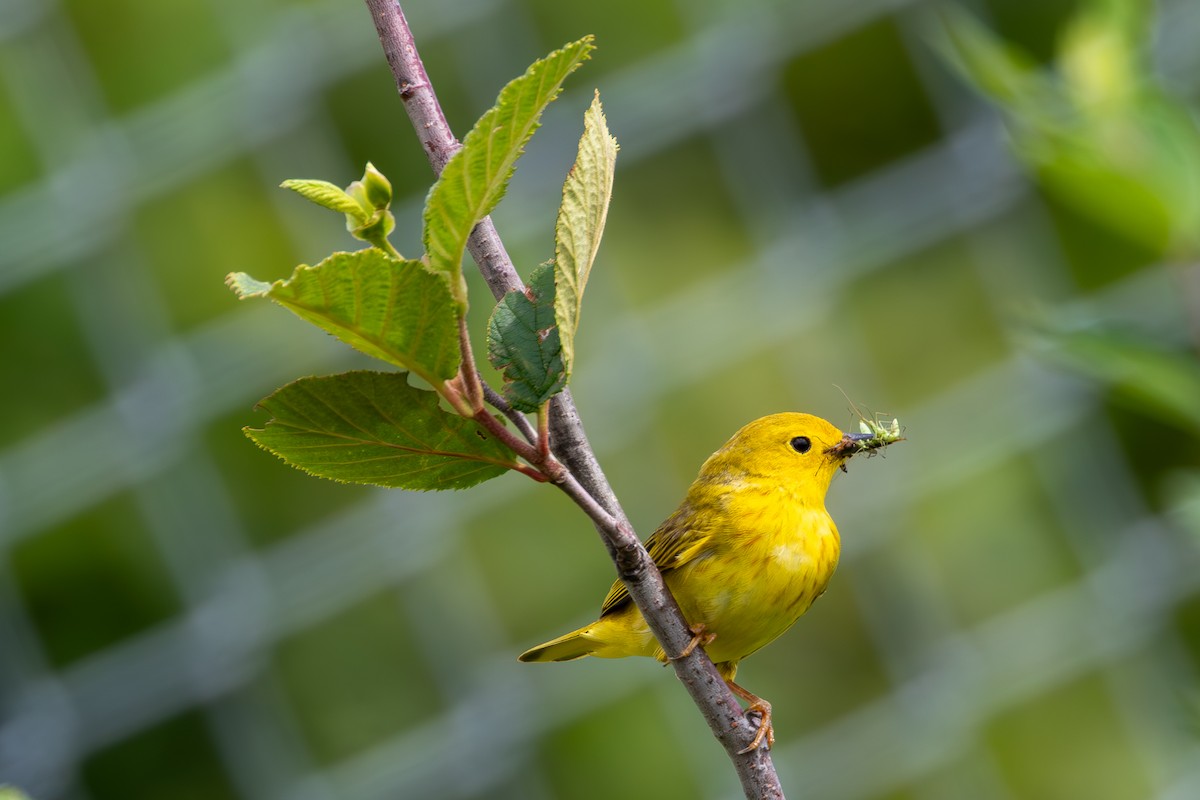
x,y
378,188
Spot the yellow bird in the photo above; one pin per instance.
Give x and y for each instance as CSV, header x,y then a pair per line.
x,y
746,553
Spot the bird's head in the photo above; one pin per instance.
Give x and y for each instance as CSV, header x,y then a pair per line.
x,y
794,451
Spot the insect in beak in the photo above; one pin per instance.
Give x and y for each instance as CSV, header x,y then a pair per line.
x,y
852,443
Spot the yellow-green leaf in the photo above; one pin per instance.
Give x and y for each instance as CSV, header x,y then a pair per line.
x,y
580,226
396,311
476,177
327,195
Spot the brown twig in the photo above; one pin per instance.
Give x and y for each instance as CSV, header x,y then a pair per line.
x,y
496,401
581,479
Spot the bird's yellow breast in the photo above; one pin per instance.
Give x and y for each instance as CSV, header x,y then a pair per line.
x,y
757,581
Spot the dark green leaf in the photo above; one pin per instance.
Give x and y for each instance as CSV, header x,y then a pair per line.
x,y
373,428
523,343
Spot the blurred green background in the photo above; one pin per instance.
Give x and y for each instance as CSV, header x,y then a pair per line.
x,y
807,196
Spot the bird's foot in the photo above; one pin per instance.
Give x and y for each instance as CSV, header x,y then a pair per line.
x,y
757,705
701,637
765,729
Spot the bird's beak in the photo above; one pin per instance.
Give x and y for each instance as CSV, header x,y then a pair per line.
x,y
852,443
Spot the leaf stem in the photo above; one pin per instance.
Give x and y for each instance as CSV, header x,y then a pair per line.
x,y
543,434
452,390
579,474
469,370
387,247
524,449
532,472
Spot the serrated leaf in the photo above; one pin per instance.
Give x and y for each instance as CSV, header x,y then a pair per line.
x,y
476,177
1162,382
524,344
373,428
396,311
326,194
580,226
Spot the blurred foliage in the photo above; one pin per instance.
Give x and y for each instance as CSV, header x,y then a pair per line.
x,y
112,585
1009,619
861,137
1161,382
1103,134
1100,130
333,685
58,391
175,758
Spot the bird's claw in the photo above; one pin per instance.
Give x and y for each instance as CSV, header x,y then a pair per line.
x,y
757,705
701,637
765,729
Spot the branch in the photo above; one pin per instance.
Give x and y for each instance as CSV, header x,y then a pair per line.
x,y
705,685
570,445
496,401
582,480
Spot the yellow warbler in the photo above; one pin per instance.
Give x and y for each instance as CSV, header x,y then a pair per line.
x,y
746,553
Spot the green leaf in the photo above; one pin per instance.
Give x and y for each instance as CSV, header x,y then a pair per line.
x,y
327,195
523,343
1124,202
1159,381
1100,132
586,194
396,311
373,428
476,177
995,68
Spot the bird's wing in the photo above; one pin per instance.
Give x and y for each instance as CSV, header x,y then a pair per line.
x,y
681,538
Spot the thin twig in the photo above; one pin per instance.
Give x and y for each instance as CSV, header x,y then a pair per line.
x,y
438,142
497,401
570,444
510,440
582,480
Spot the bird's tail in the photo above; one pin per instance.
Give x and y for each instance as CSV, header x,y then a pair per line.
x,y
567,647
612,636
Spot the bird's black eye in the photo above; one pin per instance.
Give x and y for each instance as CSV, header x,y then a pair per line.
x,y
801,444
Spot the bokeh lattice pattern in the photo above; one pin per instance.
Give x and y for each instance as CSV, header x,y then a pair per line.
x,y
805,197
